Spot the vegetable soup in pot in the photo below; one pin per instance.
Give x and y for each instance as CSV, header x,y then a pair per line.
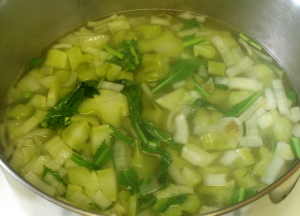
x,y
152,113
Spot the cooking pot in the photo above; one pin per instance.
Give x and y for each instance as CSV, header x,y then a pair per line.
x,y
26,27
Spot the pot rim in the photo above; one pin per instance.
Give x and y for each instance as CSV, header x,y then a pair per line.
x,y
5,166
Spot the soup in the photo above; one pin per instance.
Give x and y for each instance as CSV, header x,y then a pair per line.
x,y
152,113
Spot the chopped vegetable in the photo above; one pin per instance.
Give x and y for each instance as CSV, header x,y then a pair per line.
x,y
237,109
61,113
241,194
129,179
180,71
295,144
163,204
251,42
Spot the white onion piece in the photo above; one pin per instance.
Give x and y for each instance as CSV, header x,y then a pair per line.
x,y
240,67
258,113
280,96
296,130
110,86
270,99
265,121
160,21
294,114
252,108
187,16
216,180
181,133
223,50
284,150
229,157
273,170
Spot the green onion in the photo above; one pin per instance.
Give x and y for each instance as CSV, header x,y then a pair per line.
x,y
192,42
113,51
249,41
295,145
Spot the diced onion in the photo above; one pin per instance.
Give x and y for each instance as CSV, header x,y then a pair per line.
x,y
224,50
273,170
294,114
181,133
62,46
173,190
270,99
237,53
229,157
176,174
216,180
246,46
110,86
265,121
187,16
251,142
196,156
296,130
284,150
259,112
280,96
101,200
160,21
252,108
179,84
240,67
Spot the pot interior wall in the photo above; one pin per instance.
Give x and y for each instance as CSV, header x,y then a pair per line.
x,y
28,26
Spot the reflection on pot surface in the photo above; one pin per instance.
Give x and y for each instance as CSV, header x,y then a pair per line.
x,y
153,112
86,124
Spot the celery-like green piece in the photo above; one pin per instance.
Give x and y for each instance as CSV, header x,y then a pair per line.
x,y
192,42
148,32
113,51
249,41
216,68
163,204
295,144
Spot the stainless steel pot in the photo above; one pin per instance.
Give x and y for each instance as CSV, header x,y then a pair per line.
x,y
28,26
